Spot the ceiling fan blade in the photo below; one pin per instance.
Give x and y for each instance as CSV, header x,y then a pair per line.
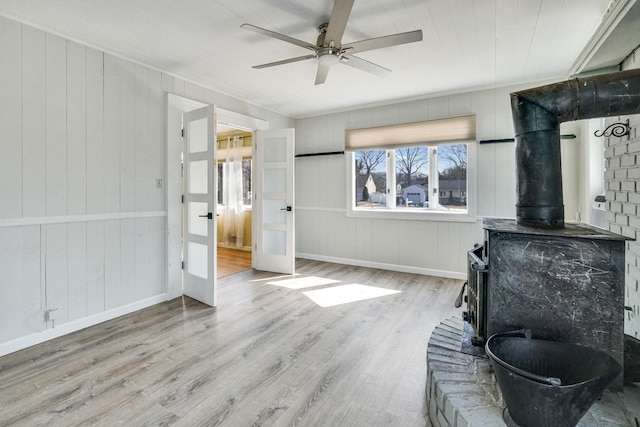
x,y
384,41
279,36
284,61
321,75
361,64
338,21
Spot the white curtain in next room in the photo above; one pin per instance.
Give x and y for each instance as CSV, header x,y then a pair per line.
x,y
232,200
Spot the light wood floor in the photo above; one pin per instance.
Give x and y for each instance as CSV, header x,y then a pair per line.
x,y
232,261
267,356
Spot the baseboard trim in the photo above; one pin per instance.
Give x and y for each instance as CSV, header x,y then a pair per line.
x,y
76,325
385,266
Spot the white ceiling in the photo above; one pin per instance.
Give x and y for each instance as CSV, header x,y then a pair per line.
x,y
468,44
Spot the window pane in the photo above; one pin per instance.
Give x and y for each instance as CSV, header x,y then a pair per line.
x,y
246,182
198,141
198,177
412,177
452,174
371,178
220,182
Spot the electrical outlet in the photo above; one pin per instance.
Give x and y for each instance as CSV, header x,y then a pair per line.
x,y
50,315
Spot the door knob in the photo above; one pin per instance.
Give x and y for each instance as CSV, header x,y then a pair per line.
x,y
209,215
288,209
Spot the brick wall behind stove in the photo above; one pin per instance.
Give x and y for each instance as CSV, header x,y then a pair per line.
x,y
622,181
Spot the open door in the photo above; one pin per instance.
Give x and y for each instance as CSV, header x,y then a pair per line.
x,y
275,220
199,245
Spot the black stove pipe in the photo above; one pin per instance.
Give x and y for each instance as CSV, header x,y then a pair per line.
x,y
537,114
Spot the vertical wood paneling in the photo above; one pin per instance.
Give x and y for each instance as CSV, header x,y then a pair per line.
x,y
302,222
460,104
167,83
77,270
95,132
127,136
56,125
427,245
127,282
20,293
76,129
336,175
32,298
486,172
111,140
194,91
385,241
364,239
409,243
157,142
342,242
142,179
142,261
11,272
112,265
56,272
306,182
10,120
95,267
178,86
449,246
504,189
156,250
33,123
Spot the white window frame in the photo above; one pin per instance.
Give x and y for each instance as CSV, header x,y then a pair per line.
x,y
414,213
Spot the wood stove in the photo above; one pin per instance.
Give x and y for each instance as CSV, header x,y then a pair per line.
x,y
563,284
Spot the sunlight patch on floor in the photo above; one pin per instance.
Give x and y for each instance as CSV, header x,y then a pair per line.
x,y
304,282
346,293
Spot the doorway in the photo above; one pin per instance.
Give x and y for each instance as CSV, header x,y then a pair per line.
x,y
226,121
234,168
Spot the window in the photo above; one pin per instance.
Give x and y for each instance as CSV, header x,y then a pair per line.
x,y
246,183
234,170
405,178
411,169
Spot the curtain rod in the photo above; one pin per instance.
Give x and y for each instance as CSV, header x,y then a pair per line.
x,y
495,141
329,153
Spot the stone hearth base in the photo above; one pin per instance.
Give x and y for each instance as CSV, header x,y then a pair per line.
x,y
462,390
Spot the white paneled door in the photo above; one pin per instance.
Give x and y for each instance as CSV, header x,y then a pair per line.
x,y
275,238
199,247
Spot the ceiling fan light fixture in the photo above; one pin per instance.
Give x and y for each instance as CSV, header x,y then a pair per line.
x,y
329,59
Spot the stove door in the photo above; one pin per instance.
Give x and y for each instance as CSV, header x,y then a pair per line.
x,y
477,294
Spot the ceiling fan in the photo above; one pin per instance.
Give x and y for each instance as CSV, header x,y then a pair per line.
x,y
329,49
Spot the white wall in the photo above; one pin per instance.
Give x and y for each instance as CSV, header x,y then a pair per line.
x,y
81,218
324,231
83,167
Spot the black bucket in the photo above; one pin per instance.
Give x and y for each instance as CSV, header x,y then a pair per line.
x,y
548,383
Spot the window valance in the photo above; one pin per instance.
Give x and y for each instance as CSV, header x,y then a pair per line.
x,y
432,132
